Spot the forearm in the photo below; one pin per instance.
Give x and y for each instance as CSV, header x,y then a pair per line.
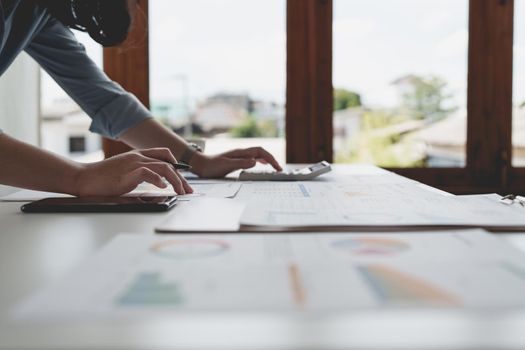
x,y
25,166
151,134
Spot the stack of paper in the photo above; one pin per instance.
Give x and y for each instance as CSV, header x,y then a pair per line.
x,y
215,189
314,206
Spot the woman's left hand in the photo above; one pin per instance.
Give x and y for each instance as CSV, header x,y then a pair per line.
x,y
223,164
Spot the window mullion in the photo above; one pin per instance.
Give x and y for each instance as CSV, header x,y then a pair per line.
x,y
489,141
128,65
309,97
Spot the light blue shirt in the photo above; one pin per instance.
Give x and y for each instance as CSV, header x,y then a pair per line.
x,y
25,26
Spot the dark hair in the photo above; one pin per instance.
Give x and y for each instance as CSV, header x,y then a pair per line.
x,y
108,22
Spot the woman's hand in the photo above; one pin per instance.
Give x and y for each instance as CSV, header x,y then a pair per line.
x,y
123,173
223,164
151,133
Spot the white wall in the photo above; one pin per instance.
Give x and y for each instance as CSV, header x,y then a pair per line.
x,y
20,102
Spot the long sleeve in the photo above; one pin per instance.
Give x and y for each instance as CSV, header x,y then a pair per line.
x,y
112,109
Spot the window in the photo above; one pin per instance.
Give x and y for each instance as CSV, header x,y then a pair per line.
x,y
217,71
63,123
477,157
400,78
77,144
518,125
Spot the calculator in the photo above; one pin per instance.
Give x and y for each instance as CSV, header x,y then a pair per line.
x,y
308,173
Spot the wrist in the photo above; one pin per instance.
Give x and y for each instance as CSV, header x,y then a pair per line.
x,y
189,152
76,174
198,163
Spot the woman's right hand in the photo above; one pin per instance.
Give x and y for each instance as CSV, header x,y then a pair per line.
x,y
123,173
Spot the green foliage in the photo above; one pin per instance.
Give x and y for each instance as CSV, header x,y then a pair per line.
x,y
375,146
385,136
378,119
247,129
269,128
344,99
427,97
251,128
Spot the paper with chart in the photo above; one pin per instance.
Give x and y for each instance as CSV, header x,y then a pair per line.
x,y
314,205
215,189
141,275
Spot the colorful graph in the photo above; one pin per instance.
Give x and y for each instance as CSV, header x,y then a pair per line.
x,y
148,289
297,285
189,249
393,287
304,191
371,246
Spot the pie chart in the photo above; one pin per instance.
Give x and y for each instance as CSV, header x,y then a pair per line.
x,y
189,249
370,246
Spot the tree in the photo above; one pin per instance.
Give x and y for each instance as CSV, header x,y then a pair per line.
x,y
426,97
247,129
344,99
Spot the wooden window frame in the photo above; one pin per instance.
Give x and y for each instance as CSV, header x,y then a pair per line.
x,y
489,107
309,89
128,65
309,92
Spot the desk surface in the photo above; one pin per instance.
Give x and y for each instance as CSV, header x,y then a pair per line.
x,y
36,250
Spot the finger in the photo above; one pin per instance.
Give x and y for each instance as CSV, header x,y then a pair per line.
x,y
163,154
267,157
147,160
140,175
185,183
166,170
258,153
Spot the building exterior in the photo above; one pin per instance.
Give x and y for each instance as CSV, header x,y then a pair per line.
x,y
222,112
445,141
65,130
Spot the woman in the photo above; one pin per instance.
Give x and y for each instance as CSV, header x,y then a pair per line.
x,y
40,27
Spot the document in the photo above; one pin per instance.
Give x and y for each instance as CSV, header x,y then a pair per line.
x,y
215,190
29,196
349,189
390,206
205,214
139,275
210,189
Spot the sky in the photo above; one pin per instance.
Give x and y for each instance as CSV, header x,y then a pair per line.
x,y
240,46
519,51
218,45
378,41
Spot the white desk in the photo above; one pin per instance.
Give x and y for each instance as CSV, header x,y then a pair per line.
x,y
36,250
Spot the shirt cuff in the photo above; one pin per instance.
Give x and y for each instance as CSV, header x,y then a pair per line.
x,y
121,114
